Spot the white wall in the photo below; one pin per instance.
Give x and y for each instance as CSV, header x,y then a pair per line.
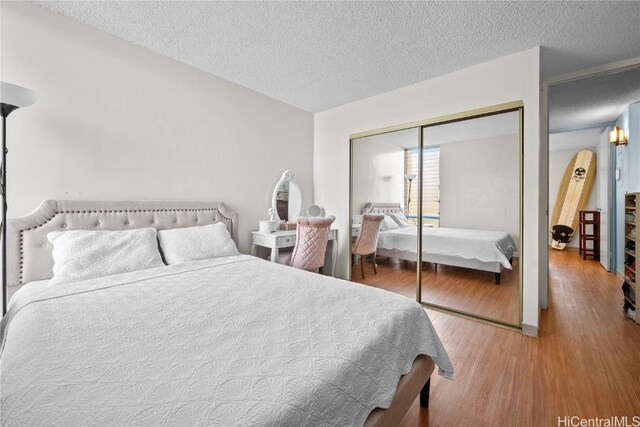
x,y
558,161
479,184
378,172
511,78
117,121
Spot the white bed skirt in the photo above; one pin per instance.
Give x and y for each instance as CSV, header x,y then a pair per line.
x,y
494,267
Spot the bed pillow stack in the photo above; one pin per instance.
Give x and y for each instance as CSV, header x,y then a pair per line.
x,y
83,254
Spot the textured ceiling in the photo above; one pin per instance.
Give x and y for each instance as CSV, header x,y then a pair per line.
x,y
593,100
317,55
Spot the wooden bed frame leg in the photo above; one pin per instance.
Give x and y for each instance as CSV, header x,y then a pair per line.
x,y
497,278
424,394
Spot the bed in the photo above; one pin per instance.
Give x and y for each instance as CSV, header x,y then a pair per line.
x,y
225,341
485,250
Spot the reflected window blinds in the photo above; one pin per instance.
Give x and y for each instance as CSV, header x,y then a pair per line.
x,y
431,183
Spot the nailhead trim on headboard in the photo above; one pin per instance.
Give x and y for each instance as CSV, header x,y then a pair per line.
x,y
20,276
382,208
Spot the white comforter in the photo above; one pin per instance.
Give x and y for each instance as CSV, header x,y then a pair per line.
x,y
482,245
235,341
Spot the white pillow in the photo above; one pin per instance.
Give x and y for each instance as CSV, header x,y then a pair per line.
x,y
83,254
194,243
388,224
401,220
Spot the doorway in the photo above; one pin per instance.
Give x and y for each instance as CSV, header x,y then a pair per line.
x,y
582,110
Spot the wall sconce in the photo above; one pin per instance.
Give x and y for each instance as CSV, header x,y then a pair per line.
x,y
617,136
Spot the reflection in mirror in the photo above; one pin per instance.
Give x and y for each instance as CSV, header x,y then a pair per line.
x,y
384,232
471,216
287,199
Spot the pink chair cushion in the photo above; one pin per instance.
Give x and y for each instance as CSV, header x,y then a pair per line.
x,y
368,238
311,242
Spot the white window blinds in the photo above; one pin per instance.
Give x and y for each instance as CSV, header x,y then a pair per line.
x,y
431,182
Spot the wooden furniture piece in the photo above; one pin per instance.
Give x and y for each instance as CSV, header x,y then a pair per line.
x,y
589,224
367,241
418,380
287,239
630,248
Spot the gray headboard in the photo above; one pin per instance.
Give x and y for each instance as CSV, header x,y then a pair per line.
x,y
29,252
382,208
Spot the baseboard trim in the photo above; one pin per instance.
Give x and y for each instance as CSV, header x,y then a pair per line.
x,y
530,330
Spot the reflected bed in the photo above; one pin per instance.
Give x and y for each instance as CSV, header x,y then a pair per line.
x,y
484,250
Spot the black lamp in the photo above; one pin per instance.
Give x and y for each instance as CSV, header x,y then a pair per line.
x,y
409,177
12,97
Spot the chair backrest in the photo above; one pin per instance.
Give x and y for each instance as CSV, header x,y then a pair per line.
x,y
368,237
311,242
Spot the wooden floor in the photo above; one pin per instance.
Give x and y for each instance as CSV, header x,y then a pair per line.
x,y
463,289
586,362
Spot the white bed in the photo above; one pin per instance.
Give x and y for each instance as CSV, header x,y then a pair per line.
x,y
485,250
227,341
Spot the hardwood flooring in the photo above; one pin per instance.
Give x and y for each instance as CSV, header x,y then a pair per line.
x,y
394,275
585,363
473,291
463,289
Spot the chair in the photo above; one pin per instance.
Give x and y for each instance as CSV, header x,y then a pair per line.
x,y
367,241
312,235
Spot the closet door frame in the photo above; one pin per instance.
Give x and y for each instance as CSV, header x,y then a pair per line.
x,y
421,126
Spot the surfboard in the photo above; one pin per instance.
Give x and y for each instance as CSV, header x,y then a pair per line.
x,y
572,198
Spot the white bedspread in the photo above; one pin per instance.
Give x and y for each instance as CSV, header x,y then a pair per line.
x,y
482,245
235,341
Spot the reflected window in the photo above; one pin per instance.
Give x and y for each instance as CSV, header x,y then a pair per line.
x,y
430,186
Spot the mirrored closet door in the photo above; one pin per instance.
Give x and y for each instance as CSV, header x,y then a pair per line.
x,y
446,195
471,216
384,192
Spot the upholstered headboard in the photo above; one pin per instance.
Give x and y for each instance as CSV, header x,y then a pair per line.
x,y
382,208
29,255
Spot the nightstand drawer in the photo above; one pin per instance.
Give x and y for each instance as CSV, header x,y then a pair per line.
x,y
286,240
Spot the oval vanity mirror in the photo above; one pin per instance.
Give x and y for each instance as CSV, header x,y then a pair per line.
x,y
287,199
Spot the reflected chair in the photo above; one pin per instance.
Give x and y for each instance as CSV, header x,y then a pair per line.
x,y
312,236
367,241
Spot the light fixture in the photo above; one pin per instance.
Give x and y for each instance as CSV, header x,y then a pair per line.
x,y
409,177
617,136
12,97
